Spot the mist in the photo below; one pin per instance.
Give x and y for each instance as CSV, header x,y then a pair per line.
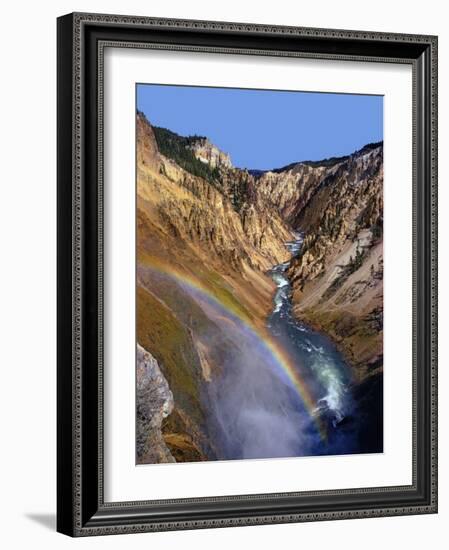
x,y
254,411
259,415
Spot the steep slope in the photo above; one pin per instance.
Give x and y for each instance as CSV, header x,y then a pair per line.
x,y
337,279
289,190
198,218
192,236
205,151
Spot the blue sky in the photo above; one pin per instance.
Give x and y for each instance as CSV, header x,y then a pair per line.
x,y
266,129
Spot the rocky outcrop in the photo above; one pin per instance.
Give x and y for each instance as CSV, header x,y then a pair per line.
x,y
147,151
337,279
290,190
154,402
205,151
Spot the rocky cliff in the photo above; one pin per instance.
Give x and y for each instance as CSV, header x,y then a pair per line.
x,y
154,402
195,223
337,279
289,190
207,152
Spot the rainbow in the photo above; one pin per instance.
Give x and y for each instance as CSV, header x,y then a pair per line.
x,y
232,313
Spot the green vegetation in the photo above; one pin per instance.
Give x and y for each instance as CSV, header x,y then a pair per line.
x,y
355,263
159,332
377,229
375,319
178,149
210,280
225,296
239,192
345,271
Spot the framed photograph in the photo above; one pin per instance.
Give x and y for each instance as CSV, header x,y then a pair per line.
x,y
246,274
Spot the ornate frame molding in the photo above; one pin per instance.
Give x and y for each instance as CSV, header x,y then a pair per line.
x,y
81,41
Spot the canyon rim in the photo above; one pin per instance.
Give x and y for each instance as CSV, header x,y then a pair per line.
x,y
259,280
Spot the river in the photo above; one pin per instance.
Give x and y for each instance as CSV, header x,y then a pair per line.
x,y
263,405
319,364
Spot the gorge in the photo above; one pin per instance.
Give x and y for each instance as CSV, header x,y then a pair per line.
x,y
259,303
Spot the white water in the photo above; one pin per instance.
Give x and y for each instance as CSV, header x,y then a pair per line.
x,y
324,366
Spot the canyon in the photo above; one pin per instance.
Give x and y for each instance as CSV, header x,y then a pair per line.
x,y
208,237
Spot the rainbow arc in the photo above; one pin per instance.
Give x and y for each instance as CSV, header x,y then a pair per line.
x,y
267,345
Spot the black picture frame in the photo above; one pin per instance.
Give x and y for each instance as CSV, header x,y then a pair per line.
x,y
81,509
